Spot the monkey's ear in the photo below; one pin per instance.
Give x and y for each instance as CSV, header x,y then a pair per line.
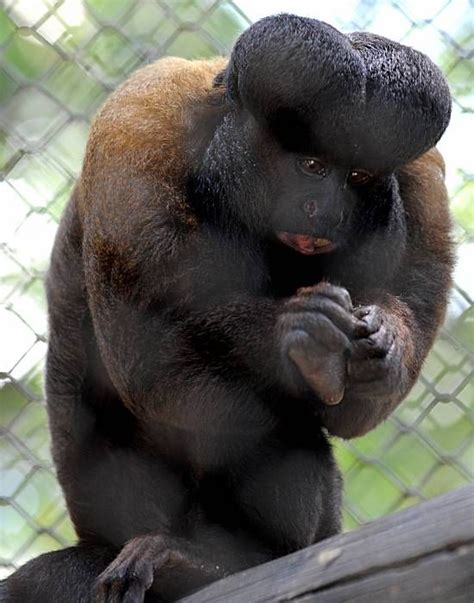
x,y
357,100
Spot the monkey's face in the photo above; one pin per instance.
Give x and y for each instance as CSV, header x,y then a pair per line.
x,y
314,203
308,203
316,207
345,217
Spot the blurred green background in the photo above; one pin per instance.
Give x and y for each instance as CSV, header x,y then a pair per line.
x,y
58,62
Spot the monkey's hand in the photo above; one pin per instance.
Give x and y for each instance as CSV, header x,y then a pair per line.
x,y
153,559
315,333
375,365
382,366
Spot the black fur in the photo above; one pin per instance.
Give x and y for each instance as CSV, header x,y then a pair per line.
x,y
358,99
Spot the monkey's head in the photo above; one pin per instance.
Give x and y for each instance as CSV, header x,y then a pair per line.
x,y
317,124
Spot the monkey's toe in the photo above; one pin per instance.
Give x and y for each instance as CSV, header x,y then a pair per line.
x,y
132,572
125,582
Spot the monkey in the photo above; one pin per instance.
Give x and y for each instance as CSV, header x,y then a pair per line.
x,y
256,257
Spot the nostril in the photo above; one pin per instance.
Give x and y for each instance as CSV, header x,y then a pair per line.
x,y
310,208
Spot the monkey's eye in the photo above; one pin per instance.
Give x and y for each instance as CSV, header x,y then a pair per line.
x,y
313,167
359,177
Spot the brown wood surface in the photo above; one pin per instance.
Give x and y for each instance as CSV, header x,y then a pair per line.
x,y
425,553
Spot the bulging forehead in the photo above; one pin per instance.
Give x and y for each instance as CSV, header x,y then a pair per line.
x,y
358,99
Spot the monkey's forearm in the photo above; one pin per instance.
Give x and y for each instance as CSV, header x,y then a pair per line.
x,y
171,346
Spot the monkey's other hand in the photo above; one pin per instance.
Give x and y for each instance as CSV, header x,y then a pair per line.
x,y
153,559
375,365
315,333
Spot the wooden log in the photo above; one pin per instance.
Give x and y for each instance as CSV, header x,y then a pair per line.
x,y
422,554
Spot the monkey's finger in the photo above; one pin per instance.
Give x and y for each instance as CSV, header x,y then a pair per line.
x,y
320,328
324,372
338,294
369,320
135,592
377,345
109,591
339,316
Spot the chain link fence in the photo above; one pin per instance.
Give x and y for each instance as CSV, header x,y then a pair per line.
x,y
58,61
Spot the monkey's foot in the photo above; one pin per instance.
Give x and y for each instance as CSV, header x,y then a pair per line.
x,y
150,557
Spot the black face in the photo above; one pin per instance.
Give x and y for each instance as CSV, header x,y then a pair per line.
x,y
336,219
314,203
315,207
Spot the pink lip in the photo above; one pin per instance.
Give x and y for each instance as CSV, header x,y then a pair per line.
x,y
306,244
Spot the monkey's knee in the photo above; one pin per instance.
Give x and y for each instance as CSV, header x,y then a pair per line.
x,y
294,499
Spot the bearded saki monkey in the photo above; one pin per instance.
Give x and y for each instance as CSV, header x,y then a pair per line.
x,y
257,254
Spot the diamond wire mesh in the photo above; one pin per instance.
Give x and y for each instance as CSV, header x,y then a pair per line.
x,y
58,61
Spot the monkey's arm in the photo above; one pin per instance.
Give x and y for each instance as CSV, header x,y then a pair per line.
x,y
169,313
401,324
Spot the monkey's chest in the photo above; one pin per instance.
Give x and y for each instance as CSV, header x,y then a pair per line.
x,y
289,270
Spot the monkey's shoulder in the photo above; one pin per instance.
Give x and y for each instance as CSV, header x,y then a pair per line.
x,y
426,204
138,148
145,121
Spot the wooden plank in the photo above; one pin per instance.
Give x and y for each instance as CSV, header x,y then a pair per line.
x,y
442,577
428,530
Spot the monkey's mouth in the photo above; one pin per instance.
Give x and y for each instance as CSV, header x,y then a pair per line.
x,y
306,244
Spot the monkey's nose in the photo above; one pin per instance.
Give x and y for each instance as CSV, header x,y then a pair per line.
x,y
310,208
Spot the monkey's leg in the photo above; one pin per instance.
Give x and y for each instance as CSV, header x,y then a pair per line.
x,y
136,500
65,576
293,498
172,567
